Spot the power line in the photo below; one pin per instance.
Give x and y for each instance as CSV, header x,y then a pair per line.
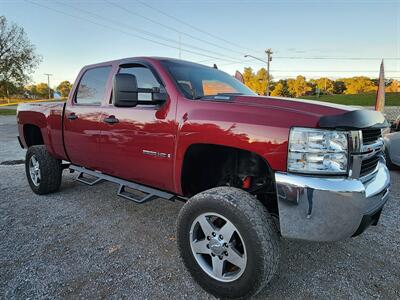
x,y
125,32
170,27
337,58
193,27
145,32
336,71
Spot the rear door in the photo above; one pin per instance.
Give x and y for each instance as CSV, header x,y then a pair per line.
x,y
140,146
83,116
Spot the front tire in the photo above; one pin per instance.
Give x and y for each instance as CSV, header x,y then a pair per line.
x,y
228,242
42,170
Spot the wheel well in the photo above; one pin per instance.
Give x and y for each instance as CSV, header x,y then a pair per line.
x,y
206,166
33,135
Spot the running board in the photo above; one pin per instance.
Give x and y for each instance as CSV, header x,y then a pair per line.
x,y
149,193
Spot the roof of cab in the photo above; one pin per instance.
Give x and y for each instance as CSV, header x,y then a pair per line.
x,y
146,58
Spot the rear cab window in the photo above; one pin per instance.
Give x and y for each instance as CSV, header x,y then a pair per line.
x,y
92,86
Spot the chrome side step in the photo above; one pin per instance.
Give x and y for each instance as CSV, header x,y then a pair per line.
x,y
149,193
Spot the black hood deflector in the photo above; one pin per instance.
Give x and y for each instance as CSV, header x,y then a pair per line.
x,y
356,119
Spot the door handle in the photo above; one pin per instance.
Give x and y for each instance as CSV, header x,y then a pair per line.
x,y
111,120
72,116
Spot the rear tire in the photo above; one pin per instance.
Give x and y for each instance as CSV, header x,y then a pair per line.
x,y
42,170
254,238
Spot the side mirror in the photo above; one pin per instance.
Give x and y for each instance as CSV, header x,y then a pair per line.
x,y
125,90
159,94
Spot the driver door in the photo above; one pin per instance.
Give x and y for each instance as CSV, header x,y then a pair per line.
x,y
139,144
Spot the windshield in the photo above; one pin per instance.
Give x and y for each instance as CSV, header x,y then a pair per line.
x,y
196,81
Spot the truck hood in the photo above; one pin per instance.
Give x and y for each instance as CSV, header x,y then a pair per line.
x,y
329,115
301,106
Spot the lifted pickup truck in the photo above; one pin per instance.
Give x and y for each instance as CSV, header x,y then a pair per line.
x,y
251,169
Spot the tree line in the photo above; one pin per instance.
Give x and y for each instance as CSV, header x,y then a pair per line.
x,y
300,86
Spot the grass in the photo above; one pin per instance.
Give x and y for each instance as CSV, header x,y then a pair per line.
x,y
392,99
13,101
8,112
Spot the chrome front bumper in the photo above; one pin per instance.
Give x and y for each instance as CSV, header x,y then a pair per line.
x,y
329,209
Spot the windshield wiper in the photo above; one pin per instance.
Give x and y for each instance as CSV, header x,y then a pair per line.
x,y
229,94
194,97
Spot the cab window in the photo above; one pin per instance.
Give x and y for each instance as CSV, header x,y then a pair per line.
x,y
92,86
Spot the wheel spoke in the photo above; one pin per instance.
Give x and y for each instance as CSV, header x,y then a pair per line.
x,y
235,258
218,266
34,170
227,231
206,226
200,247
222,244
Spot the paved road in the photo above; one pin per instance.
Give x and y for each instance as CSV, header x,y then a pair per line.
x,y
10,149
86,242
9,107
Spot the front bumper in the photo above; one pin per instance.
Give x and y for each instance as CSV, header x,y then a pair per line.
x,y
329,209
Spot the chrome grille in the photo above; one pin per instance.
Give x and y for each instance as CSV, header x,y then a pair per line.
x,y
371,135
369,165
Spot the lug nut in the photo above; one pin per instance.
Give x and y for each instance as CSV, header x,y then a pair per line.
x,y
220,257
208,238
214,234
226,245
221,237
226,253
208,246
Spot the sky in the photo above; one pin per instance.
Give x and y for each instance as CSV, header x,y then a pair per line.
x,y
71,34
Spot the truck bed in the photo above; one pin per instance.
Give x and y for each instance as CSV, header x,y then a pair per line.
x,y
47,116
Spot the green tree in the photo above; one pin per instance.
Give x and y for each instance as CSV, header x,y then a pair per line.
x,y
281,89
249,78
393,87
42,90
64,88
325,85
359,85
261,81
31,89
18,58
298,87
339,86
39,91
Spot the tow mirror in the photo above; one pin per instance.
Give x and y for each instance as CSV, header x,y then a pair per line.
x,y
159,94
125,90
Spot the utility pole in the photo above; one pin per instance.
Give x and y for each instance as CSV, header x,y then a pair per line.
x,y
48,83
269,59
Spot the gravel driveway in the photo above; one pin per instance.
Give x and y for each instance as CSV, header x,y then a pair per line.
x,y
86,242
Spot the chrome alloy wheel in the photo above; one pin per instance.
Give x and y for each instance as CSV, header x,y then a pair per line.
x,y
218,247
34,170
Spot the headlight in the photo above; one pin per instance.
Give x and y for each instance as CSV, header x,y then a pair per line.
x,y
317,151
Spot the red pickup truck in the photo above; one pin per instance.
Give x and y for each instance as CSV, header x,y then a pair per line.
x,y
251,169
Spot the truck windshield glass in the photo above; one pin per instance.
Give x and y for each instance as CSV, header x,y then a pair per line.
x,y
196,81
